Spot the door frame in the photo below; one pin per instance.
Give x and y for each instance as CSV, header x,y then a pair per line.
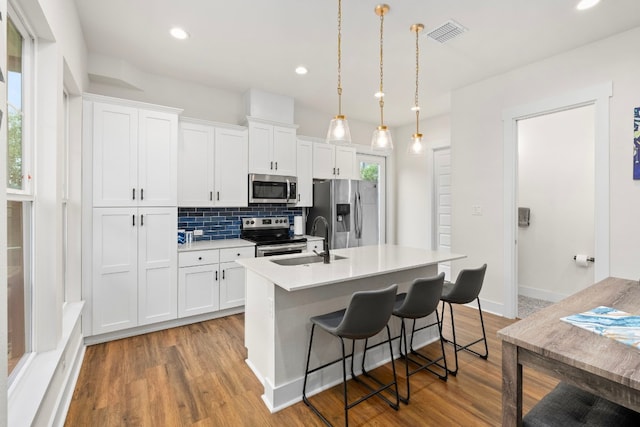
x,y
598,96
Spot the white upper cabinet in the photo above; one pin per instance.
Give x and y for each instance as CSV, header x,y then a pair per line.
x,y
134,156
231,168
305,173
195,165
213,165
334,161
272,149
345,161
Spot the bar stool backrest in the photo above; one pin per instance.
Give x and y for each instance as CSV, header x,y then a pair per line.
x,y
467,286
422,297
368,312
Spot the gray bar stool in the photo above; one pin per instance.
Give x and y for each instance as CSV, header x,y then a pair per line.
x,y
419,302
465,289
367,314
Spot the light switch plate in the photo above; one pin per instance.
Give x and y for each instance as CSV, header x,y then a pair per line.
x,y
476,210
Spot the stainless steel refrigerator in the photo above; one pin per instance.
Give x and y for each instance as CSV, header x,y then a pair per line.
x,y
350,207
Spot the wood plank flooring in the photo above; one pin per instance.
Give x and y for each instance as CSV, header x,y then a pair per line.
x,y
195,375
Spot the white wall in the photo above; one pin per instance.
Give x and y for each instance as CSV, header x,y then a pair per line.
x,y
219,105
477,151
555,177
414,181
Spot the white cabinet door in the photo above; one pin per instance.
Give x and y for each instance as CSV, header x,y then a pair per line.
x,y
260,148
284,151
305,173
345,162
157,158
115,270
231,285
157,265
195,170
231,169
198,290
323,158
115,155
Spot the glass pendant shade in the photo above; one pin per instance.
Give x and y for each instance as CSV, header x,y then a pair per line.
x,y
339,130
416,146
381,139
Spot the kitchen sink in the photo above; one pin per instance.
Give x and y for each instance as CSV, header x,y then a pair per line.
x,y
309,259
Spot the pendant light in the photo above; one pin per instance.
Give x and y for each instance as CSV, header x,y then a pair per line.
x,y
416,146
339,127
381,139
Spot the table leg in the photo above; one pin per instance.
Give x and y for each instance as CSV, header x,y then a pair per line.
x,y
511,386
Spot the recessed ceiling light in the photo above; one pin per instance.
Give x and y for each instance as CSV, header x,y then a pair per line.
x,y
301,70
179,33
587,4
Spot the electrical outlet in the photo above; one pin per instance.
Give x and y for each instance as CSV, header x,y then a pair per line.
x,y
476,210
197,232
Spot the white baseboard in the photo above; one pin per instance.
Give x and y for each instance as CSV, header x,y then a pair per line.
x,y
540,294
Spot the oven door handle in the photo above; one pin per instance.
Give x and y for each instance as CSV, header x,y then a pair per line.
x,y
282,247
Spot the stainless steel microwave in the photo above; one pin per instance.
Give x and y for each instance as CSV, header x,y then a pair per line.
x,y
272,189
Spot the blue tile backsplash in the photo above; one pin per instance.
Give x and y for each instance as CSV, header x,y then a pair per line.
x,y
224,223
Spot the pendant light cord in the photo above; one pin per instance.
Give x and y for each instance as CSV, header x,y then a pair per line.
x,y
381,102
417,106
339,57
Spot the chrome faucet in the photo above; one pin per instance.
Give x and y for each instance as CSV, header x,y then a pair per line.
x,y
325,253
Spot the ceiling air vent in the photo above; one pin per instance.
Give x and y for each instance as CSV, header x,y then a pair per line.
x,y
446,31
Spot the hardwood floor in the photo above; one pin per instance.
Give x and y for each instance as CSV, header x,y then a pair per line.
x,y
195,375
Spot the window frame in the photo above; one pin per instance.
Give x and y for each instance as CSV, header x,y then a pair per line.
x,y
26,194
28,96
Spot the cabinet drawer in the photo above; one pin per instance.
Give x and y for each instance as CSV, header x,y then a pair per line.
x,y
186,259
232,254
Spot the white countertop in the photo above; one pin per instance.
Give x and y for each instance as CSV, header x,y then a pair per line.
x,y
360,262
203,245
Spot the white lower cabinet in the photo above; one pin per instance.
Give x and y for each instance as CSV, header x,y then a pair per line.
x,y
134,267
211,280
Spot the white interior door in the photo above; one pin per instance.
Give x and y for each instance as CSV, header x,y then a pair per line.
x,y
442,196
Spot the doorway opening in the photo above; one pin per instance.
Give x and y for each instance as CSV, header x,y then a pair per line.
x,y
555,206
372,169
598,96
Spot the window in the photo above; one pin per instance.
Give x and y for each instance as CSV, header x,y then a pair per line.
x,y
19,192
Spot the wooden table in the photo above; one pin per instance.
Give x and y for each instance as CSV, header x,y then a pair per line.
x,y
585,359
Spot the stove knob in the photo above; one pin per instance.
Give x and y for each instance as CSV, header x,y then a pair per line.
x,y
252,222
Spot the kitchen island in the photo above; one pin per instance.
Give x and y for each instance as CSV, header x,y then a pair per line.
x,y
280,299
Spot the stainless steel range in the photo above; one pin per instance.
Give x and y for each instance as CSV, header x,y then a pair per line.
x,y
271,236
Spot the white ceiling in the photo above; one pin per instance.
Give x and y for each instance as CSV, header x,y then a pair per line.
x,y
242,44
